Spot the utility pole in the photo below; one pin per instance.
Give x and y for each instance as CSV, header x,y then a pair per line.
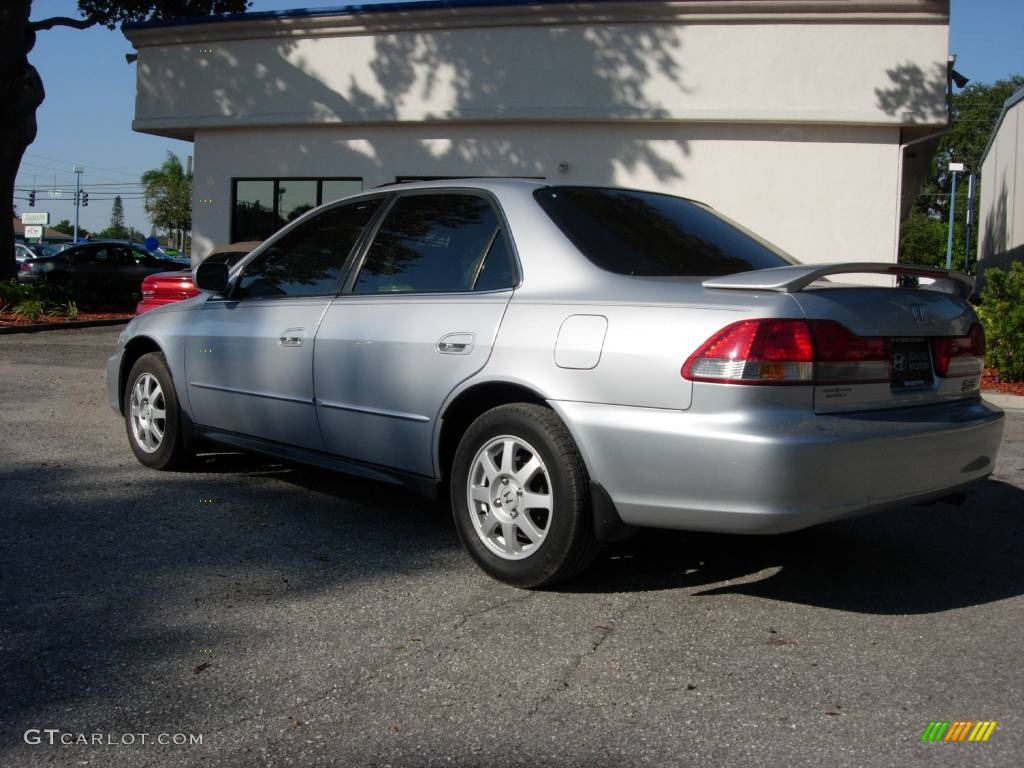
x,y
954,168
78,189
188,174
970,220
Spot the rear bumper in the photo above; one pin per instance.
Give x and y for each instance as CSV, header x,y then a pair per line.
x,y
776,470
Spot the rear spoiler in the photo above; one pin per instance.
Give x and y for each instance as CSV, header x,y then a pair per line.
x,y
794,278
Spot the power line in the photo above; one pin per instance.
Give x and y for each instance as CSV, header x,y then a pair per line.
x,y
68,162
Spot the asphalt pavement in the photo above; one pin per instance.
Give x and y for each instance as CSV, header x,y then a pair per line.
x,y
249,612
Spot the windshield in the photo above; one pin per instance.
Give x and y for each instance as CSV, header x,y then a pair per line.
x,y
650,234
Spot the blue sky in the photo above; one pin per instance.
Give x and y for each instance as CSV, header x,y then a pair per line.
x,y
86,118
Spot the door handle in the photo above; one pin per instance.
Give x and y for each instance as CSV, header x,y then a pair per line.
x,y
456,344
292,337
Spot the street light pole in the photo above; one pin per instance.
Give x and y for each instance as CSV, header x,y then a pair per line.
x,y
954,168
78,196
970,220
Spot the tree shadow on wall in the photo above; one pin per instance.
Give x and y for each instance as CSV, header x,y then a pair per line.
x,y
915,94
451,76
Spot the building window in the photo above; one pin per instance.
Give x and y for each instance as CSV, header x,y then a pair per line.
x,y
260,207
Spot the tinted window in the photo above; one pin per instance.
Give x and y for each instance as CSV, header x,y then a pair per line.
x,y
253,217
294,198
308,260
642,233
335,189
499,270
121,256
429,244
143,257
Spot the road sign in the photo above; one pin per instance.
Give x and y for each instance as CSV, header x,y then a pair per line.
x,y
39,217
32,231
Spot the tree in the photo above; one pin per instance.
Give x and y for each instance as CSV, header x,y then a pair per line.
x,y
21,88
64,226
168,191
973,117
117,230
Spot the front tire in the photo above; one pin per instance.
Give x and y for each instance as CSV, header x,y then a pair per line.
x,y
520,497
152,415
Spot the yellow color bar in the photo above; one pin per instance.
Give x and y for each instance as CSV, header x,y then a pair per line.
x,y
988,731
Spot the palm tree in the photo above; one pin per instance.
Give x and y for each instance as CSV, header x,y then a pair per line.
x,y
168,191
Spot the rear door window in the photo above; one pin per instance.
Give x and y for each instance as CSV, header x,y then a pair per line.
x,y
429,243
649,234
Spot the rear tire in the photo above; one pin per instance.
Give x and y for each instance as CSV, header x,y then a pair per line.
x,y
520,497
152,416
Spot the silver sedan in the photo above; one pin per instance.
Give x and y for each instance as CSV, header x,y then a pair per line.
x,y
568,363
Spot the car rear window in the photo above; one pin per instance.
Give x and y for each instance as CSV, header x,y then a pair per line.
x,y
650,234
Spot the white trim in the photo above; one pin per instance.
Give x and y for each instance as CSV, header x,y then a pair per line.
x,y
649,11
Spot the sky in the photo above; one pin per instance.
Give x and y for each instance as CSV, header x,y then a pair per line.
x,y
90,101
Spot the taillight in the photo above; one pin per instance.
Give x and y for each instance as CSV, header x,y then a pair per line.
x,y
148,288
24,268
781,351
960,355
755,352
840,357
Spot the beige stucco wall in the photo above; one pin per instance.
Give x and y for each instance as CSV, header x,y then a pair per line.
x,y
1001,205
822,193
854,73
785,115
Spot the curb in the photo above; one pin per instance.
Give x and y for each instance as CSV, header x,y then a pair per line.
x,y
61,326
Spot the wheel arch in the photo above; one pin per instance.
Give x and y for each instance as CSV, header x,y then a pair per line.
x,y
133,350
463,409
475,400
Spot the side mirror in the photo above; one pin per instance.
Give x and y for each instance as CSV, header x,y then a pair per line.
x,y
211,276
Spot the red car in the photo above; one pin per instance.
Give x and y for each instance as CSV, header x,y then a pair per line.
x,y
169,287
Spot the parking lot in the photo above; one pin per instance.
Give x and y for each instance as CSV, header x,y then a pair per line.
x,y
291,616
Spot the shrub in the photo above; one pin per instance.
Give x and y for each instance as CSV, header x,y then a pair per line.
x,y
1002,314
70,310
30,309
12,293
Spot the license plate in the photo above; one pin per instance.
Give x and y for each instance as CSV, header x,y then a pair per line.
x,y
911,363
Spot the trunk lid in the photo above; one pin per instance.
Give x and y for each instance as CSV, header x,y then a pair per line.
x,y
919,328
913,322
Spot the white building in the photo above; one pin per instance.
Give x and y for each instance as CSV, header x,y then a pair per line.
x,y
1001,206
807,121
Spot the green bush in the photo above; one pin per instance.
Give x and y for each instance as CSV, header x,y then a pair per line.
x,y
1002,314
30,309
13,293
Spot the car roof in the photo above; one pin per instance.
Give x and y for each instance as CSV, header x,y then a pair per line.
x,y
491,184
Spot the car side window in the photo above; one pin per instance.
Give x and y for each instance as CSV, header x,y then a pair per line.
x,y
308,260
499,269
140,256
428,243
121,256
93,256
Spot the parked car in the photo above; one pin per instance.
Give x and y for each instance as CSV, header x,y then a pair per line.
x,y
169,287
96,272
23,253
569,363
